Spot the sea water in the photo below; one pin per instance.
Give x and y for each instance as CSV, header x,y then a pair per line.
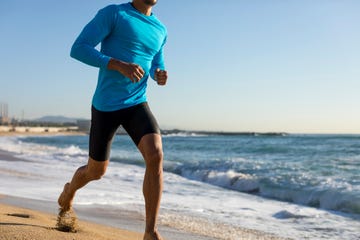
x,y
295,186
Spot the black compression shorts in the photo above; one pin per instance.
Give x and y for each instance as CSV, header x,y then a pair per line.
x,y
137,121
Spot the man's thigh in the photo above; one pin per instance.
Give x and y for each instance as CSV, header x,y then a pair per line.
x,y
102,131
140,122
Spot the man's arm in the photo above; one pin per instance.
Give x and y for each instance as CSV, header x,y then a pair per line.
x,y
157,71
93,33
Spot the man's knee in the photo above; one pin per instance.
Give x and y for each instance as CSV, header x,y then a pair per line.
x,y
151,148
97,174
96,170
154,158
156,155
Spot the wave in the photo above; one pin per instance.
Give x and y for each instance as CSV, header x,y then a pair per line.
x,y
230,179
180,133
327,196
329,199
184,134
40,152
130,161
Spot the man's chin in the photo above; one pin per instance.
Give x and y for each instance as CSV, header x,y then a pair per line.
x,y
150,2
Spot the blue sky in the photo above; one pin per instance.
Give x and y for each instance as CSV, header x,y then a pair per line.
x,y
234,65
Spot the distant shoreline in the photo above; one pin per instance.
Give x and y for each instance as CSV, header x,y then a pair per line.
x,y
49,131
223,133
72,130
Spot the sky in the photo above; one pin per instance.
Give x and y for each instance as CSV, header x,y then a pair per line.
x,y
233,65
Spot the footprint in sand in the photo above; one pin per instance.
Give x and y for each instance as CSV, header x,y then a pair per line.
x,y
20,215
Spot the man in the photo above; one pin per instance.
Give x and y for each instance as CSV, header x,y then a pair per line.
x,y
132,41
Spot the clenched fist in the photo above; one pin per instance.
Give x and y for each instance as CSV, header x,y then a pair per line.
x,y
130,70
161,76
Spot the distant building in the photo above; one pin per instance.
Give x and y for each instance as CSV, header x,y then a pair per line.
x,y
4,114
4,110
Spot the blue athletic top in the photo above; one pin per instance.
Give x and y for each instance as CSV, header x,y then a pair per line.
x,y
127,35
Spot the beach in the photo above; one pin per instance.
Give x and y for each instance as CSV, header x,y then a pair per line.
x,y
26,216
24,224
64,133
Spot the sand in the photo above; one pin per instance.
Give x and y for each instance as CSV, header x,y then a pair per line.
x,y
20,223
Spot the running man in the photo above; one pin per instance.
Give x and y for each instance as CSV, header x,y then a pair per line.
x,y
132,41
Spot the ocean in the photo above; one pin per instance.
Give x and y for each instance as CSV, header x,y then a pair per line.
x,y
295,186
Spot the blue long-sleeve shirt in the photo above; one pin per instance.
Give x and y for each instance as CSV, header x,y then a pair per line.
x,y
127,35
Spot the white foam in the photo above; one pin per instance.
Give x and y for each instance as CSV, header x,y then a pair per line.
x,y
184,134
38,152
229,179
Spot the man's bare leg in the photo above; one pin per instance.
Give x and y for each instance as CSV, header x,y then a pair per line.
x,y
151,148
94,170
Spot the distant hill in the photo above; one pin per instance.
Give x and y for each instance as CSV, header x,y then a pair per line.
x,y
56,119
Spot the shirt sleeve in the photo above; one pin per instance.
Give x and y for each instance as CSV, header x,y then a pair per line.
x,y
93,33
158,61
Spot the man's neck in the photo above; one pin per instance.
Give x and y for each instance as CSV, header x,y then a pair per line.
x,y
141,7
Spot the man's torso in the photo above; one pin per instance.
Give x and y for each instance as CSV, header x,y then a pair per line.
x,y
135,38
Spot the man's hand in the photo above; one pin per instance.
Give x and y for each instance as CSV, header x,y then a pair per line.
x,y
161,76
130,70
